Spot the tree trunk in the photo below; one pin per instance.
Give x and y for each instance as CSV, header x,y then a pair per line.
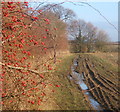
x,y
54,54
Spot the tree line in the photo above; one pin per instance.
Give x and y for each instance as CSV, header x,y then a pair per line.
x,y
86,37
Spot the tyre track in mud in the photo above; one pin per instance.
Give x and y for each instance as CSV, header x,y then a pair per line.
x,y
99,64
102,89
92,85
97,81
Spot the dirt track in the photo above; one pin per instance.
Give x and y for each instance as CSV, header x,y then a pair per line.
x,y
101,80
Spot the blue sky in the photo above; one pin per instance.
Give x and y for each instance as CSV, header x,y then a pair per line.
x,y
108,9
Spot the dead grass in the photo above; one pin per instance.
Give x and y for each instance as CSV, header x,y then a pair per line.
x,y
109,57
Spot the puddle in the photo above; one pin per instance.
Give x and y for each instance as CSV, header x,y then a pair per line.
x,y
79,79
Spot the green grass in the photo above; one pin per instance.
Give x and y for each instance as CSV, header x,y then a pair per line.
x,y
68,97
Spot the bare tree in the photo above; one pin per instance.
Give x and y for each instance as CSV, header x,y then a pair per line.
x,y
60,12
91,33
83,33
101,40
76,28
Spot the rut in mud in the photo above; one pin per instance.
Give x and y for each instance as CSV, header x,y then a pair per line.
x,y
101,82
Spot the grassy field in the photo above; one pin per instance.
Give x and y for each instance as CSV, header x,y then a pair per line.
x,y
112,57
101,76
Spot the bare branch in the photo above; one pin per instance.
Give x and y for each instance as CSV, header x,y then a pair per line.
x,y
21,68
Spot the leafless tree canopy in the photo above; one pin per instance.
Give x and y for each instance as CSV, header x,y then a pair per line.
x,y
59,11
86,36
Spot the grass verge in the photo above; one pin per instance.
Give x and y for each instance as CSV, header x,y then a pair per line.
x,y
67,96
